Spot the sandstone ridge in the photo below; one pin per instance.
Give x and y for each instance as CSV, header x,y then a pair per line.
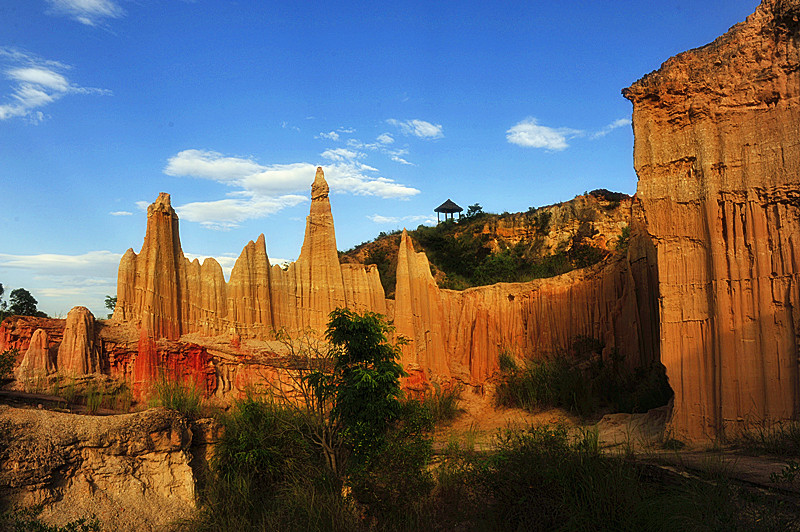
x,y
165,294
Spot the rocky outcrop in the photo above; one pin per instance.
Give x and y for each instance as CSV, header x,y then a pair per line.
x,y
461,333
38,359
717,152
132,471
78,354
166,295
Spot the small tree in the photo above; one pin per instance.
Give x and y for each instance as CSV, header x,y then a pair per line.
x,y
473,211
23,304
111,304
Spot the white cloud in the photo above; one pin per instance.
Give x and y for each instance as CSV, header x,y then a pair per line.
x,y
385,138
621,122
341,154
93,263
346,130
418,218
88,12
262,190
418,128
332,136
529,134
35,83
226,214
121,213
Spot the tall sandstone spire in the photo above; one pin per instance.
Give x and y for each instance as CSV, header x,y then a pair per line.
x,y
148,284
318,275
717,152
166,295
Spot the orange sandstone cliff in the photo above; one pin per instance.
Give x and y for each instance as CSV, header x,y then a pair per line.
x,y
166,295
717,152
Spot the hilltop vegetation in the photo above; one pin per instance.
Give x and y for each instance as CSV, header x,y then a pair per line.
x,y
483,248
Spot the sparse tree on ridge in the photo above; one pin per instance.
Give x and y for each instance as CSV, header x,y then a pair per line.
x,y
22,303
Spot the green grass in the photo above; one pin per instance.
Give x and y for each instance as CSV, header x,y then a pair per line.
x,y
780,439
176,395
443,403
268,475
581,381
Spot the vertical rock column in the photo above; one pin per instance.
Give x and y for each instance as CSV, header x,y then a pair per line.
x,y
78,354
717,152
148,284
318,275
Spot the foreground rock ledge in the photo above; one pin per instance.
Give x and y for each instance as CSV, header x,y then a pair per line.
x,y
132,471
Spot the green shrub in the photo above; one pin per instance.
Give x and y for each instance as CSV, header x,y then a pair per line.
x,y
27,520
552,382
7,360
267,475
581,382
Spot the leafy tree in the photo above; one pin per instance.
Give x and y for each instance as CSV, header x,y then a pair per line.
x,y
23,304
473,211
111,304
364,386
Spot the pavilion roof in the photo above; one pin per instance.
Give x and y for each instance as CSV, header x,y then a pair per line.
x,y
448,206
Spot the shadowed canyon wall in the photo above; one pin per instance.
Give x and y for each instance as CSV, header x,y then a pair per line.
x,y
717,152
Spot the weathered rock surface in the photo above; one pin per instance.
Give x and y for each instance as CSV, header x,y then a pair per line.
x,y
38,360
165,294
717,151
462,333
132,471
78,353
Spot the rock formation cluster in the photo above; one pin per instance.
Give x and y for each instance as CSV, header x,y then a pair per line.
x,y
167,295
717,152
709,285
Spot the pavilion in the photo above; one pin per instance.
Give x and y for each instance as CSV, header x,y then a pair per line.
x,y
448,207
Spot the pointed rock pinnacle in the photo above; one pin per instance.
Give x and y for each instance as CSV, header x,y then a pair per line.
x,y
319,189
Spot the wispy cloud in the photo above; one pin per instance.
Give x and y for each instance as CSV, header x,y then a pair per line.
x,y
60,282
387,220
35,83
616,124
529,134
93,263
418,128
88,12
385,138
262,190
330,135
121,213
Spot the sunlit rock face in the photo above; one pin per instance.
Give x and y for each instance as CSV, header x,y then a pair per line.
x,y
38,360
166,295
78,353
717,152
461,334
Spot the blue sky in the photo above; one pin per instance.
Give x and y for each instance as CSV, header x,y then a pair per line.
x,y
229,107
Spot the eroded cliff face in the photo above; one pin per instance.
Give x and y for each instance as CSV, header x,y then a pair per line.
x,y
462,333
717,152
132,471
166,295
